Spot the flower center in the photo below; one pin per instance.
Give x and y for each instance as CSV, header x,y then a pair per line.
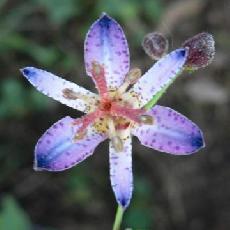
x,y
105,105
114,113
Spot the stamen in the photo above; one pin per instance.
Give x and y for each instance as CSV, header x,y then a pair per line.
x,y
133,75
146,119
131,78
98,75
112,130
117,144
71,95
116,140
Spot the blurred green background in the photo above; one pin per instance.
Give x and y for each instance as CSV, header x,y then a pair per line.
x,y
171,192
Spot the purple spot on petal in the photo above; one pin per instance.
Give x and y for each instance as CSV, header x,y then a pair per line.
x,y
177,147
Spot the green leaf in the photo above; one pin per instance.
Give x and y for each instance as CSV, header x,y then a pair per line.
x,y
12,217
46,56
124,9
13,98
60,11
153,9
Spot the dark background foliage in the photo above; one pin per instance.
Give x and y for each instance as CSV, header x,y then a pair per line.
x,y
171,192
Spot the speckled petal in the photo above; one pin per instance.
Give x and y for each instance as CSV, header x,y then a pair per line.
x,y
171,132
55,87
106,44
121,173
159,76
57,149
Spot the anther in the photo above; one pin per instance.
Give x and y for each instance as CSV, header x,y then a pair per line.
x,y
117,143
133,75
131,78
146,119
69,94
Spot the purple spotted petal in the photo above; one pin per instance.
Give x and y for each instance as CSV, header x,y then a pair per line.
x,y
171,132
159,75
106,44
57,150
55,87
121,175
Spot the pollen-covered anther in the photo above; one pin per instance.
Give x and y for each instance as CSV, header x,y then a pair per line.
x,y
133,75
146,119
131,78
117,143
71,95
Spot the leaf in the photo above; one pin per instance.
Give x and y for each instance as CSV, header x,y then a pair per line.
x,y
60,11
12,217
45,56
13,98
153,9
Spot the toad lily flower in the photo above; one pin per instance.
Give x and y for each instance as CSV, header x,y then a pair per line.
x,y
117,112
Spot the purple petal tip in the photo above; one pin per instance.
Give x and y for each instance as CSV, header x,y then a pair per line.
x,y
198,142
41,163
124,202
105,20
28,72
182,52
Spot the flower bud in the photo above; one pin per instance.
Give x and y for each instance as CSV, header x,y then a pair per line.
x,y
201,51
155,45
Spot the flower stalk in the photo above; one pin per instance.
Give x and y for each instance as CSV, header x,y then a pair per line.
x,y
118,218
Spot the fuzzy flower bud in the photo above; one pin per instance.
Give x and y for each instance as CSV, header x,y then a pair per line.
x,y
201,51
155,45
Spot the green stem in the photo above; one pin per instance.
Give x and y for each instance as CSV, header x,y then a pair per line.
x,y
118,218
